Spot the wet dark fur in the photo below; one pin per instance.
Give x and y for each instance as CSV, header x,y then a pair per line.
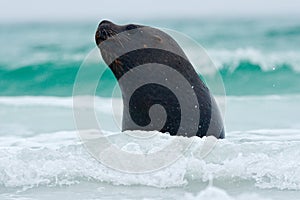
x,y
148,95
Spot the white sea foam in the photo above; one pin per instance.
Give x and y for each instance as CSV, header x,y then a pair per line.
x,y
214,193
267,61
101,104
60,159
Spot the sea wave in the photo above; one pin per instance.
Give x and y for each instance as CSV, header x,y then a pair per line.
x,y
267,60
59,158
240,77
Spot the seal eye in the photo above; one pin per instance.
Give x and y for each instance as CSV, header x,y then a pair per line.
x,y
130,27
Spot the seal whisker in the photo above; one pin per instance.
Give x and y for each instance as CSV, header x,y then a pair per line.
x,y
119,41
115,36
107,33
121,35
126,37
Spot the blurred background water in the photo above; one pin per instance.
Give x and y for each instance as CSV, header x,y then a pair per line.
x,y
254,57
255,49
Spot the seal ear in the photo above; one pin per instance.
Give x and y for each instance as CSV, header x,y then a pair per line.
x,y
157,39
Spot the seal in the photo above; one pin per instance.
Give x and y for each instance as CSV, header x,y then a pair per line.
x,y
160,88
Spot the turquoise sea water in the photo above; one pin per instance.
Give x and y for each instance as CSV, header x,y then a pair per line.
x,y
41,156
254,57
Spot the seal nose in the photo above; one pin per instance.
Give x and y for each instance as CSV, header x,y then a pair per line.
x,y
105,22
104,31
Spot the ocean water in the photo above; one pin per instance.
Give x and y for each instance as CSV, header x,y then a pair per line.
x,y
42,156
